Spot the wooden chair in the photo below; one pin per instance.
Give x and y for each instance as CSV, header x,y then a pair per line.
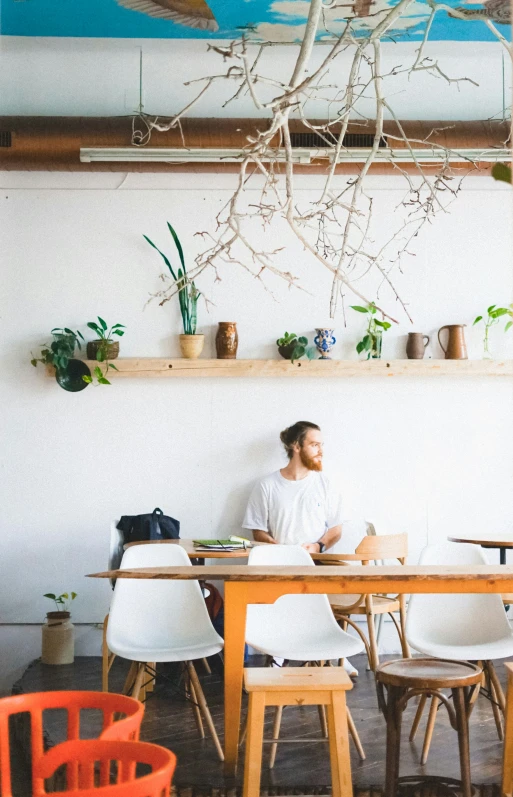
x,y
373,549
407,678
297,686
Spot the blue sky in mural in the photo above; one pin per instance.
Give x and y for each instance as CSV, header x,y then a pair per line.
x,y
275,20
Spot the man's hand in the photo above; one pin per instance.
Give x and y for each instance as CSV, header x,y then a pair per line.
x,y
312,547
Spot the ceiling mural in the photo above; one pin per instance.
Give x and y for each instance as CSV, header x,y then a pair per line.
x,y
268,20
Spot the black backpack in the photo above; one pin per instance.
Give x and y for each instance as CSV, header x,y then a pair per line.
x,y
157,526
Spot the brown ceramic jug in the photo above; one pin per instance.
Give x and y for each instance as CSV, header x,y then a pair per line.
x,y
415,346
456,346
227,340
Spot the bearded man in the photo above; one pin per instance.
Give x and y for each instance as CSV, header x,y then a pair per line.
x,y
297,505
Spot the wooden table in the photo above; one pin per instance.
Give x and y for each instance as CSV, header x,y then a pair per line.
x,y
502,541
246,585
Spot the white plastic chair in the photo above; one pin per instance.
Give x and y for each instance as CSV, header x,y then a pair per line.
x,y
297,627
162,620
115,556
472,627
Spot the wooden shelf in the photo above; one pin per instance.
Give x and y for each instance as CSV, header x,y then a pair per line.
x,y
145,367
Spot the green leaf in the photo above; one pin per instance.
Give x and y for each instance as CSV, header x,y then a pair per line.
x,y
508,326
119,325
93,326
312,353
477,320
491,308
111,365
118,332
80,336
98,372
100,355
49,595
164,258
359,347
367,342
372,308
103,324
73,596
34,362
500,311
103,381
297,353
502,172
64,595
382,324
303,340
359,309
86,379
178,246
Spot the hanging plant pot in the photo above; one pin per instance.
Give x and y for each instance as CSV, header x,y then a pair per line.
x,y
70,378
191,346
287,351
58,639
110,349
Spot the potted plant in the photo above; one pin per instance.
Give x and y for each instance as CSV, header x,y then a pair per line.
x,y
103,349
493,315
191,344
372,340
69,372
293,348
58,633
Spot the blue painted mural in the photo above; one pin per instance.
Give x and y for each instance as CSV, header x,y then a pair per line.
x,y
269,20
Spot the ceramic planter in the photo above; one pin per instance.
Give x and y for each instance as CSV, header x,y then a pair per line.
x,y
58,639
287,351
227,340
191,346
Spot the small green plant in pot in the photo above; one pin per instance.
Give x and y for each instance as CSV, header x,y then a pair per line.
x,y
372,340
290,347
58,632
69,372
493,316
103,349
191,344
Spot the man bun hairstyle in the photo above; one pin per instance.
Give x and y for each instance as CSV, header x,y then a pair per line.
x,y
296,434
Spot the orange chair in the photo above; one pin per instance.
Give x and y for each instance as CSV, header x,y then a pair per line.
x,y
111,706
116,774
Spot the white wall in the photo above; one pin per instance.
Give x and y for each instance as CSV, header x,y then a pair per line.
x,y
69,77
424,456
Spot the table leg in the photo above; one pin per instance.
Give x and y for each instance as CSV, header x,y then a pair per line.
x,y
235,608
502,554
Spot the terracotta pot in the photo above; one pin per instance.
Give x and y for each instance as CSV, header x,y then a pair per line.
x,y
456,346
58,639
191,346
227,340
415,345
111,349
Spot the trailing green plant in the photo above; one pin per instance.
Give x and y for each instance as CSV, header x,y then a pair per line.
x,y
62,602
493,316
61,350
371,341
301,346
188,294
104,335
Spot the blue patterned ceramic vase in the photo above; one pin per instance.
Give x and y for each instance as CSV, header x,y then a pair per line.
x,y
324,341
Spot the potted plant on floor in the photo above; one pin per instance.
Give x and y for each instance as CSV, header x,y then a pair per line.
x,y
372,340
191,344
59,353
58,632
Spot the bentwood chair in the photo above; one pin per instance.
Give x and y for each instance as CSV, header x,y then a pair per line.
x,y
297,628
38,708
162,621
373,549
468,627
99,768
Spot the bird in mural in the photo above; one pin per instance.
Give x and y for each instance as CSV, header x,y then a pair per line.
x,y
193,13
495,10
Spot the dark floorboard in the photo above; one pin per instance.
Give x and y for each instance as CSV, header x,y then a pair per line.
x,y
169,721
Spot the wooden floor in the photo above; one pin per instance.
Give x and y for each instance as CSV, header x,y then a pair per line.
x,y
169,721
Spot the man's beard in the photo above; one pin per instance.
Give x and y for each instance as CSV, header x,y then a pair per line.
x,y
309,462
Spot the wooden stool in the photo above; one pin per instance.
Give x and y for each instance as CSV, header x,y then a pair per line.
x,y
298,686
507,763
406,678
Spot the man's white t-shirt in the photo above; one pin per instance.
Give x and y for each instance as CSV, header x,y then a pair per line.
x,y
294,512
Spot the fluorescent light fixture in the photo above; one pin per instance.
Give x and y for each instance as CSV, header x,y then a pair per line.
x,y
300,155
